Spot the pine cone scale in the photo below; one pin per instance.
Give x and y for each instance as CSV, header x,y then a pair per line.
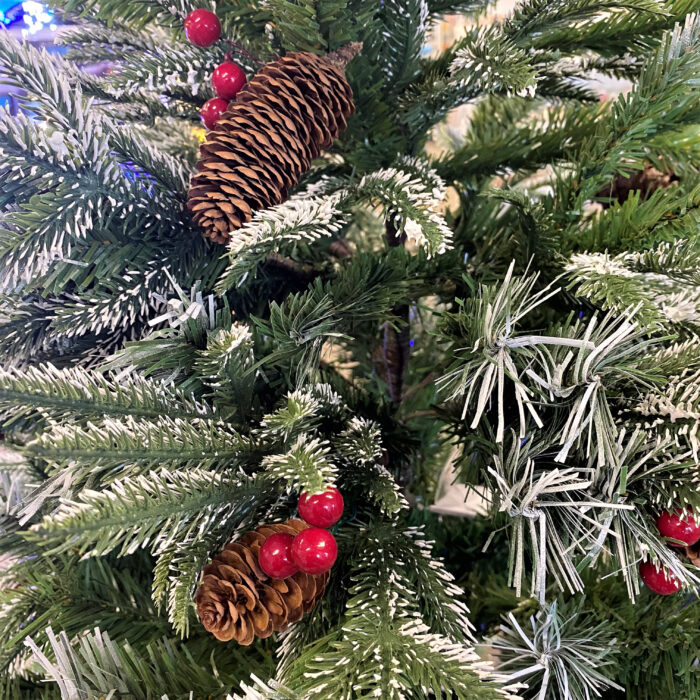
x,y
319,97
285,123
299,110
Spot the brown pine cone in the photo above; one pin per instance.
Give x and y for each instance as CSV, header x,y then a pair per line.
x,y
645,181
237,600
266,139
693,553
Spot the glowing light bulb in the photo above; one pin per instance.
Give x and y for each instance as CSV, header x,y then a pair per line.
x,y
36,17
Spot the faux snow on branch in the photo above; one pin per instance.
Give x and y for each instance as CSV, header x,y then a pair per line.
x,y
648,280
393,585
300,413
75,392
400,37
548,508
679,405
490,62
279,230
360,447
413,204
304,467
93,665
412,197
562,652
497,350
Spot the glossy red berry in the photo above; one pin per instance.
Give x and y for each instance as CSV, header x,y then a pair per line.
x,y
212,110
227,79
658,580
679,526
322,510
275,556
314,550
202,27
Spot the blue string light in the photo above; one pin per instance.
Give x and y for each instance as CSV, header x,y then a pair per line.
x,y
10,12
34,15
135,174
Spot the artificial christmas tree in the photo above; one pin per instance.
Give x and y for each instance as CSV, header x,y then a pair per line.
x,y
508,294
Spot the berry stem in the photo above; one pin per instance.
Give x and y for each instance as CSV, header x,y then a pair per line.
x,y
243,51
342,56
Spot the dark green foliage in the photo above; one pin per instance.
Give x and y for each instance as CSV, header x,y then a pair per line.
x,y
110,593
659,636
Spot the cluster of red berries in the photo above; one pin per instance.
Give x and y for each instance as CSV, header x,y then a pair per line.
x,y
203,28
313,550
686,531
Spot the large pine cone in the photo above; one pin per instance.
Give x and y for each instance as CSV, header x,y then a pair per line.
x,y
265,141
237,600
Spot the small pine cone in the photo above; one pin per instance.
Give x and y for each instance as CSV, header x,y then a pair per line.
x,y
266,139
237,600
645,181
693,554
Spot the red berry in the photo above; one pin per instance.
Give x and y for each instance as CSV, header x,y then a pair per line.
x,y
227,79
212,110
658,580
323,509
314,550
274,556
202,27
678,526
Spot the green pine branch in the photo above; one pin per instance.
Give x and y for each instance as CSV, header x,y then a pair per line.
x,y
304,467
65,592
109,449
383,647
74,392
150,511
95,665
